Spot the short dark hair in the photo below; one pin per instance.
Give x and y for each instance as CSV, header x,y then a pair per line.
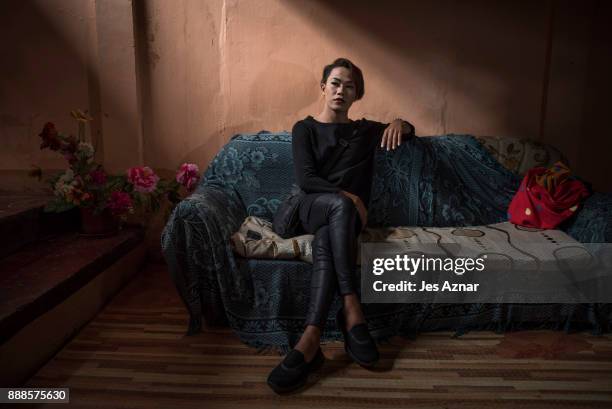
x,y
355,73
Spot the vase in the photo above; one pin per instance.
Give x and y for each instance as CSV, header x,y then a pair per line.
x,y
98,225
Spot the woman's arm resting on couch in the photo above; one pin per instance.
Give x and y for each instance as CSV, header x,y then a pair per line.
x,y
395,133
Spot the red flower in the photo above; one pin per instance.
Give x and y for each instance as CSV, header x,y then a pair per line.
x,y
119,202
50,137
143,178
188,175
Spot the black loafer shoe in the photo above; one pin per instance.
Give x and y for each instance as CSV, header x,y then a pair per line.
x,y
292,373
358,343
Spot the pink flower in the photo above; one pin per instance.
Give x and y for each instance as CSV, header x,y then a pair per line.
x,y
98,177
188,175
143,178
119,202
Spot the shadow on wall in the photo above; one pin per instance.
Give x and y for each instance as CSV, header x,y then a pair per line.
x,y
42,77
475,63
51,64
596,144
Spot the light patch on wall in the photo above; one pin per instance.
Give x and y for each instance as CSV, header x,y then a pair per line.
x,y
273,90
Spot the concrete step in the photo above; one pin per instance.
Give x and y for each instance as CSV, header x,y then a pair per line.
x,y
23,221
50,288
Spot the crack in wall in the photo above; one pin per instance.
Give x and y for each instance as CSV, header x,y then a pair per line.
x,y
225,89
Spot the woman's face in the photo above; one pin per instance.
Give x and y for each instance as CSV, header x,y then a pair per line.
x,y
339,90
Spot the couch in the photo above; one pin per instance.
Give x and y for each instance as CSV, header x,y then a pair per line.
x,y
447,180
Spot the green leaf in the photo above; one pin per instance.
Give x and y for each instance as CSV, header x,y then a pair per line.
x,y
174,197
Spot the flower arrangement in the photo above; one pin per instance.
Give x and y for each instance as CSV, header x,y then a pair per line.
x,y
85,183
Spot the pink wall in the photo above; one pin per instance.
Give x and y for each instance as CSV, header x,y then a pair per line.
x,y
486,68
173,81
259,68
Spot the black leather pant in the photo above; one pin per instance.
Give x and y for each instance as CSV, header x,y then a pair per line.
x,y
335,222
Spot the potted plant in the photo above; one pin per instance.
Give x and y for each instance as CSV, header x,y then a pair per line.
x,y
105,200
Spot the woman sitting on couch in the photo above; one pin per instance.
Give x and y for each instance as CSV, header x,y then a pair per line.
x,y
333,157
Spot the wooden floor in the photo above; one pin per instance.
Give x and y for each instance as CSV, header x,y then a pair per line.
x,y
134,355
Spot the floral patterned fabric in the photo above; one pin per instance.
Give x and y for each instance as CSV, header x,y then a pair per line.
x,y
449,180
439,181
520,155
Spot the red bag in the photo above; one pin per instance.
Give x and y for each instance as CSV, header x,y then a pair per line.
x,y
546,197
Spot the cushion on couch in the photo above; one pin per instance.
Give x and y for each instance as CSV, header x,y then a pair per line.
x,y
519,155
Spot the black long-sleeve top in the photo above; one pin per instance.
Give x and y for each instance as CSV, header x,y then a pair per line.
x,y
313,144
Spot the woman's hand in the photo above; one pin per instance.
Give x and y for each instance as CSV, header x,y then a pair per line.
x,y
361,209
392,136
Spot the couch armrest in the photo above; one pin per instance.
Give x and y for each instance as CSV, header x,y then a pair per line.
x,y
593,223
195,243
